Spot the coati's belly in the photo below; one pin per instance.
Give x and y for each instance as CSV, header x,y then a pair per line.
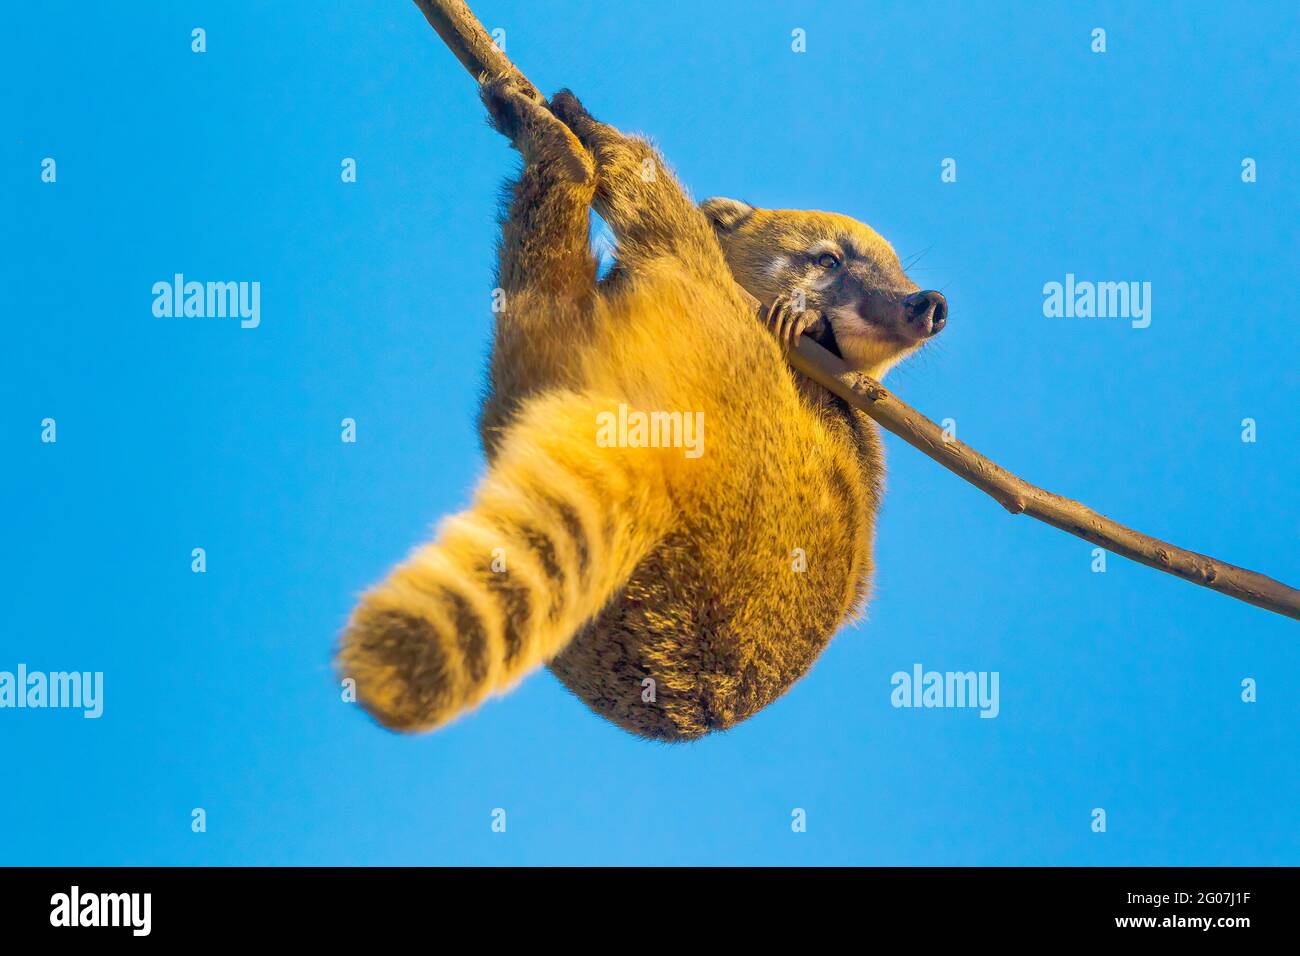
x,y
735,606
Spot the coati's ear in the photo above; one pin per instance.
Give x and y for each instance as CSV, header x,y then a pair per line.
x,y
726,214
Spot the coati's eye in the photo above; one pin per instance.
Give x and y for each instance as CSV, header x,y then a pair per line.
x,y
828,261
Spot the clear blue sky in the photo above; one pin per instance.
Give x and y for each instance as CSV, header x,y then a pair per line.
x,y
1118,690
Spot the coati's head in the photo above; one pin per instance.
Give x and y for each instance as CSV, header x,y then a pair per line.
x,y
865,309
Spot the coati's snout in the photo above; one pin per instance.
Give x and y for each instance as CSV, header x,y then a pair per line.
x,y
912,317
927,312
858,302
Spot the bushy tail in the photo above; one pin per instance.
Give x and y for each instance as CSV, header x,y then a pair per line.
x,y
555,530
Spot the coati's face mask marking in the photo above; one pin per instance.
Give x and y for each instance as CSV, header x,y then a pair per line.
x,y
863,307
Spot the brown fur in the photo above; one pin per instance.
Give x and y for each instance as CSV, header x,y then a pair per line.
x,y
661,589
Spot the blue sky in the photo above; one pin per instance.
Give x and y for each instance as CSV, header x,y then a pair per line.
x,y
1119,690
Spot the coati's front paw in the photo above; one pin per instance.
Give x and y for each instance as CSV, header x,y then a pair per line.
x,y
533,130
570,111
507,103
786,322
624,163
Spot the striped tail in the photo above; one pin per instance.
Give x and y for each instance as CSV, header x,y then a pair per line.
x,y
555,530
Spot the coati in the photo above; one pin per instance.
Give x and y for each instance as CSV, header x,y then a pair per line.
x,y
674,595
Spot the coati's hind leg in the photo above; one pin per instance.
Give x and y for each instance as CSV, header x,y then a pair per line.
x,y
638,196
546,273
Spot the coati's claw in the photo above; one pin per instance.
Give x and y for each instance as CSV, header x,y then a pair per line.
x,y
771,318
786,323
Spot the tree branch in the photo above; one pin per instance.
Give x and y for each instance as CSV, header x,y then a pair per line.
x,y
472,45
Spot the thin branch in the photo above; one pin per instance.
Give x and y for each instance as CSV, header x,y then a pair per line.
x,y
472,44
466,38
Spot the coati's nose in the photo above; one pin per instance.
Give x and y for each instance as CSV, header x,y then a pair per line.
x,y
926,311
